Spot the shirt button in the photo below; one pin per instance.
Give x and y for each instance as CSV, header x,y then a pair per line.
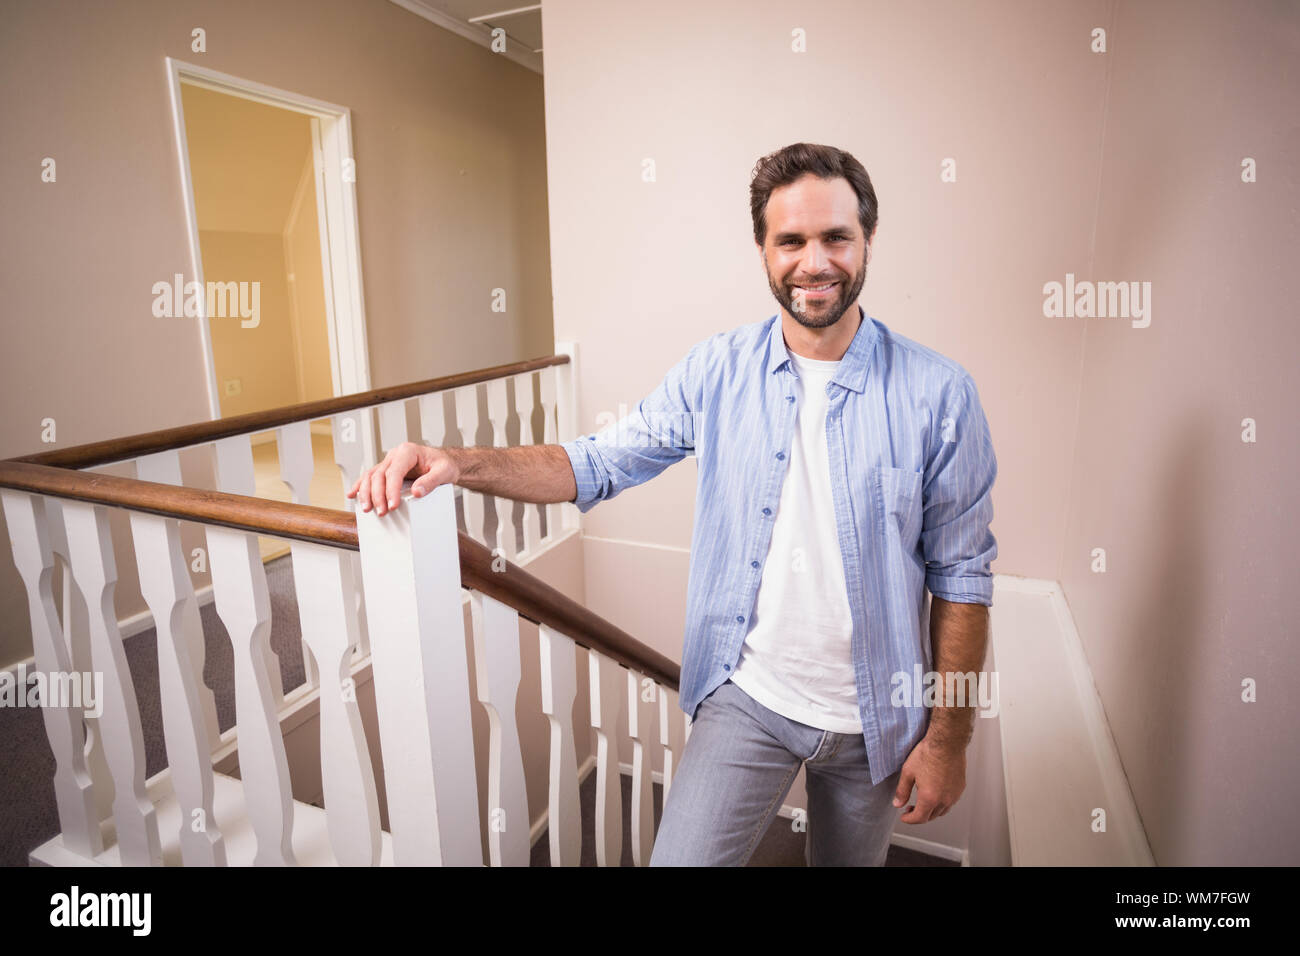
x,y
753,564
780,455
726,667
740,618
767,511
789,398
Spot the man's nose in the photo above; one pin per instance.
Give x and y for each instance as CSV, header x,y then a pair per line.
x,y
815,259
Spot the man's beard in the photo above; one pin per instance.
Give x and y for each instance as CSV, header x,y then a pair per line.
x,y
819,316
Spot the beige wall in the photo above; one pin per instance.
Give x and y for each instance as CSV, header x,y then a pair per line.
x,y
1198,527
1115,166
451,195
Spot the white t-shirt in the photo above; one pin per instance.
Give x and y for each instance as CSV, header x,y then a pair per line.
x,y
797,657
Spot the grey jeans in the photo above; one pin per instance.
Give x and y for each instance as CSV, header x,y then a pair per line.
x,y
739,764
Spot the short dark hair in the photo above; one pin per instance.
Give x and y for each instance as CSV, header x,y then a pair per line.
x,y
786,165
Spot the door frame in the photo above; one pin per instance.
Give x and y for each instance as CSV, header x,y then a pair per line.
x,y
336,209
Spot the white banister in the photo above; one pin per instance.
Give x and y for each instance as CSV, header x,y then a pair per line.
x,y
90,547
641,726
323,577
497,673
74,790
240,594
559,689
607,688
167,589
411,572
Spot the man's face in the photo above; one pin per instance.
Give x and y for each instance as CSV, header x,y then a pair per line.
x,y
814,239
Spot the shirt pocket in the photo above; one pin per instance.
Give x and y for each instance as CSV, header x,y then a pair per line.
x,y
900,498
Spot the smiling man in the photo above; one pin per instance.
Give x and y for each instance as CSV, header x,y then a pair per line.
x,y
843,470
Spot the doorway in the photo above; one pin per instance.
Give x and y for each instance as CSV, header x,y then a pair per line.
x,y
269,188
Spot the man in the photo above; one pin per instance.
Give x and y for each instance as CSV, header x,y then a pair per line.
x,y
843,469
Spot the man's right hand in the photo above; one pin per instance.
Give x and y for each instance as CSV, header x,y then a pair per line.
x,y
380,487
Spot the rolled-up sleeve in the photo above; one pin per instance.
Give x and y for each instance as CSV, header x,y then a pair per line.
x,y
958,506
658,433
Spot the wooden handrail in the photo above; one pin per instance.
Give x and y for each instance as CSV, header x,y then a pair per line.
x,y
146,443
533,598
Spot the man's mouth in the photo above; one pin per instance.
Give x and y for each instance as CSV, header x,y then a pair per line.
x,y
816,291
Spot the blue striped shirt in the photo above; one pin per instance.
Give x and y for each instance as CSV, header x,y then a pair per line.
x,y
912,470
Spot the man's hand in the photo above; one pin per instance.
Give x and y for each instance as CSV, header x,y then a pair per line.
x,y
380,487
940,777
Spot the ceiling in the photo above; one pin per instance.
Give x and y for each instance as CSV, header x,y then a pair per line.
x,y
475,20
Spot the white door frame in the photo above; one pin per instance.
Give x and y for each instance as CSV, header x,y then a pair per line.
x,y
336,208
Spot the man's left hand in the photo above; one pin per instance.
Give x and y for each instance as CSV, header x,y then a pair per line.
x,y
939,774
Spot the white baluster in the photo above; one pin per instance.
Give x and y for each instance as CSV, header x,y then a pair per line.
x,y
410,563
392,425
497,670
167,589
474,503
641,725
234,457
566,414
74,790
164,467
91,548
528,436
608,687
667,714
350,429
328,627
433,426
76,638
559,688
297,463
498,414
350,445
554,514
239,592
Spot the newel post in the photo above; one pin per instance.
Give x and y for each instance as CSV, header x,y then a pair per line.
x,y
410,569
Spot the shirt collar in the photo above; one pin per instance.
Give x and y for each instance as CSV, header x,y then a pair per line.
x,y
852,371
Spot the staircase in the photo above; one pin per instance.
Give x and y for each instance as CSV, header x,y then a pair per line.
x,y
374,760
